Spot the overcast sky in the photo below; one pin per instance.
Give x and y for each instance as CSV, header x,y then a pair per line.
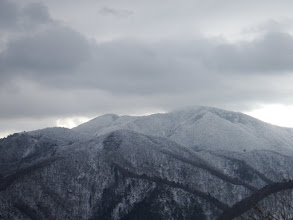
x,y
63,62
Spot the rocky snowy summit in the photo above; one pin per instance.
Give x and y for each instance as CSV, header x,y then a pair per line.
x,y
189,164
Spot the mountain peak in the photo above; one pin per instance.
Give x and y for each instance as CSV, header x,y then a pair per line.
x,y
96,124
201,127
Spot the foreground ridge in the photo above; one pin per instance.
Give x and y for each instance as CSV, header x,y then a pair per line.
x,y
248,203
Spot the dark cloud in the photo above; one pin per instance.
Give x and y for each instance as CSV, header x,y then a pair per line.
x,y
37,101
115,12
270,54
36,13
55,49
62,58
183,65
9,13
15,17
174,67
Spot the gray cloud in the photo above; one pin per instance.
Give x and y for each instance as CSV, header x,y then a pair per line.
x,y
8,14
36,13
157,58
271,25
171,67
25,99
54,49
115,12
270,54
15,17
60,58
165,19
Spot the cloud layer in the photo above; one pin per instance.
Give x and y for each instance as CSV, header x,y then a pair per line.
x,y
52,68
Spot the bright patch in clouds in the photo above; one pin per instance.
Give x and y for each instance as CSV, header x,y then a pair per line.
x,y
71,122
274,114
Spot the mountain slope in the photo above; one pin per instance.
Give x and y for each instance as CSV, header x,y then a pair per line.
x,y
116,176
111,176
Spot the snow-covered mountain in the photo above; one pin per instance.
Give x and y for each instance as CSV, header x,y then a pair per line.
x,y
203,128
190,164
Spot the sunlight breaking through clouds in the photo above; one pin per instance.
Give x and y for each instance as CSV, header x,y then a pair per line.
x,y
71,121
277,114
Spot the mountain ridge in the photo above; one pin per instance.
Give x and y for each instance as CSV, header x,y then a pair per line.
x,y
192,127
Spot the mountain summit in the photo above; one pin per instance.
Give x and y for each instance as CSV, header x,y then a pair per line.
x,y
200,128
